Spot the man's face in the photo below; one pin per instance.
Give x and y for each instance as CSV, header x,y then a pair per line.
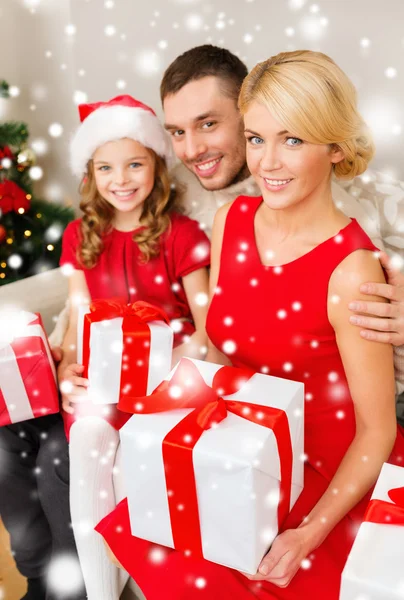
x,y
207,132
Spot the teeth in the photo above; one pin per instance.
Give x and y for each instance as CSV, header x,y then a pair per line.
x,y
277,181
123,194
208,165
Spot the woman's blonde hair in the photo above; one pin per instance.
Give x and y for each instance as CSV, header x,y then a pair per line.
x,y
98,215
315,100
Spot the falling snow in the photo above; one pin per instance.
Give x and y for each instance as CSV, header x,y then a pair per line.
x,y
64,576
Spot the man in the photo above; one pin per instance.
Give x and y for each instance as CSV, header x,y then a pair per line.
x,y
199,93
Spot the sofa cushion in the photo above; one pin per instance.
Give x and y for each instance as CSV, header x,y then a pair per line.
x,y
45,293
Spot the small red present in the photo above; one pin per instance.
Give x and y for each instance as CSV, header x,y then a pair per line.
x,y
27,374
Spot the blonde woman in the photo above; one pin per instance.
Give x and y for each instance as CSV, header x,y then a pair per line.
x,y
299,261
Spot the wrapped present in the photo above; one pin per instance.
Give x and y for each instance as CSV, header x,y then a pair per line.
x,y
126,349
212,461
374,569
27,374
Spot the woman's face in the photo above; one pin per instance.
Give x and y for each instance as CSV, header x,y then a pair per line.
x,y
124,174
287,169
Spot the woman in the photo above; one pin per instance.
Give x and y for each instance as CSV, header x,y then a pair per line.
x,y
298,261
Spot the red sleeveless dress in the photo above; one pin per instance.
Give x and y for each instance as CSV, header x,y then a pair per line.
x,y
274,320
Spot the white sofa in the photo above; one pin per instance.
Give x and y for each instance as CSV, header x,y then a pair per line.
x,y
46,293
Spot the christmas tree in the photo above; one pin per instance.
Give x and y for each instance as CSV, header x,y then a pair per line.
x,y
30,228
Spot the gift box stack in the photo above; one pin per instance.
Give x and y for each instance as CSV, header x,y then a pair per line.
x,y
27,375
212,461
375,566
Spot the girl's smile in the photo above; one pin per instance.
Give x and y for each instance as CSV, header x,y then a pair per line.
x,y
124,173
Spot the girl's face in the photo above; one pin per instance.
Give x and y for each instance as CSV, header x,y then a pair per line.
x,y
124,174
286,168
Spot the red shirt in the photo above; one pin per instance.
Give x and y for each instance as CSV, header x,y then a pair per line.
x,y
119,272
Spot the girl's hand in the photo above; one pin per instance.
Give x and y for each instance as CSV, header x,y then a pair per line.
x,y
73,387
112,556
284,559
57,354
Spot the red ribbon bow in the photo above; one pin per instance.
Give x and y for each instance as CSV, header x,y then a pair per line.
x,y
136,338
187,389
387,513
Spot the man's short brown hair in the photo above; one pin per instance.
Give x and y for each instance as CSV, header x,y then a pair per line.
x,y
204,61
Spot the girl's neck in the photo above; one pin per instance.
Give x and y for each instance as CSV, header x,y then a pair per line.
x,y
126,221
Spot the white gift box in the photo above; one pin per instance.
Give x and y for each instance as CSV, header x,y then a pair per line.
x,y
105,364
375,566
237,473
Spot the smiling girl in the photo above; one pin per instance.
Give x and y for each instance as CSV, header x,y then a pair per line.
x,y
132,242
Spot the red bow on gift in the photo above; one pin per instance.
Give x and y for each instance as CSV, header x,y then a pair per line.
x,y
187,389
12,197
135,329
387,513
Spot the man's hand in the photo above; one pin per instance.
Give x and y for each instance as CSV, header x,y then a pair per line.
x,y
73,386
284,559
386,321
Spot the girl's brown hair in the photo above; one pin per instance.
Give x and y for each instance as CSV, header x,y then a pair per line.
x,y
98,215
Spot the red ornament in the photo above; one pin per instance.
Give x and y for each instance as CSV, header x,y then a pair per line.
x,y
3,234
12,197
5,152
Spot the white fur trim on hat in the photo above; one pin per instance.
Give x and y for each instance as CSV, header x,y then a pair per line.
x,y
110,123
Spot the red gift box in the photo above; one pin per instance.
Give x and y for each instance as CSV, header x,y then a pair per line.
x,y
28,386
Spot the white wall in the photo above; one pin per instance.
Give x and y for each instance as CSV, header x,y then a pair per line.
x,y
147,36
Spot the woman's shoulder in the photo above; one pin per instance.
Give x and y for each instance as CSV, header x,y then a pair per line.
x,y
358,267
240,206
238,209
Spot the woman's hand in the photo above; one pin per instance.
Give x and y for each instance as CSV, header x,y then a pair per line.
x,y
72,385
284,559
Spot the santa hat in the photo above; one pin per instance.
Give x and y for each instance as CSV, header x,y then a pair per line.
x,y
121,117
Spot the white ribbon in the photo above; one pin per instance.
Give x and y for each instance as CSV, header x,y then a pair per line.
x,y
12,327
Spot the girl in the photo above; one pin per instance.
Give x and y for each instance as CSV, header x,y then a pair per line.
x,y
302,262
133,243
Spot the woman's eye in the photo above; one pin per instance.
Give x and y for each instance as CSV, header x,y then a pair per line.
x,y
255,140
135,165
104,168
292,141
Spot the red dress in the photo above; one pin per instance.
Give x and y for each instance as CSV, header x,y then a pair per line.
x,y
276,319
119,272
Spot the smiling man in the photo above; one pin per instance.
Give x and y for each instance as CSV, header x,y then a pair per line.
x,y
199,93
207,131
